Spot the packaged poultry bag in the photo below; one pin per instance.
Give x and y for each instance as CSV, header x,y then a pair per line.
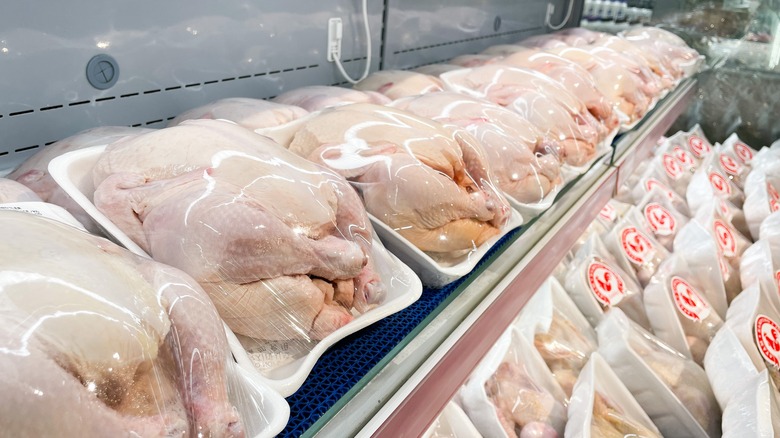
x,y
662,217
708,183
676,164
317,97
512,394
739,148
746,345
770,227
761,199
100,342
17,197
396,84
596,283
518,153
651,180
672,389
282,246
452,422
431,186
249,113
602,407
611,213
560,333
761,264
755,411
676,304
731,166
696,143
634,247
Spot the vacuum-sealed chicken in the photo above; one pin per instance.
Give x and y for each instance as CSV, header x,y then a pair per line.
x,y
396,84
679,58
755,411
15,196
249,113
514,148
761,264
659,65
34,172
99,342
317,97
633,246
671,388
746,345
12,191
660,215
762,198
436,69
770,227
512,394
283,247
559,332
541,101
602,407
432,185
676,303
596,283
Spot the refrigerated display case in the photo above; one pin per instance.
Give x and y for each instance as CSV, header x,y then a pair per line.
x,y
393,377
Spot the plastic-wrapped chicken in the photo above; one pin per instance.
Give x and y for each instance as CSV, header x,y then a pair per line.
x,y
596,283
12,191
660,66
34,172
761,264
559,332
671,388
396,84
755,411
770,227
249,113
678,309
513,147
430,184
18,197
633,247
570,37
452,422
762,198
746,345
541,101
316,97
660,215
511,393
283,246
677,55
436,69
602,407
97,341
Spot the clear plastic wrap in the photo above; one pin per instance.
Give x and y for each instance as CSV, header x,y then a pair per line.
x,y
34,172
663,219
429,184
541,101
511,393
12,191
755,411
246,112
602,406
317,97
396,84
558,330
596,283
676,304
675,53
98,341
634,248
436,69
761,264
662,67
671,388
746,345
514,148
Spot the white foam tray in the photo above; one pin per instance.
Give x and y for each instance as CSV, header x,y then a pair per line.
x,y
73,171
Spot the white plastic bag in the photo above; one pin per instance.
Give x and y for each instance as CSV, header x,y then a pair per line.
x,y
651,180
596,283
634,247
602,407
761,199
697,142
452,422
770,227
678,309
740,149
512,389
755,411
710,182
671,388
761,264
612,211
660,215
560,333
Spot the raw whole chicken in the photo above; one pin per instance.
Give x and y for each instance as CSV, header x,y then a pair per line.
x,y
396,84
538,99
436,69
503,49
509,141
429,184
681,58
281,245
12,191
660,66
34,172
317,97
571,37
249,113
96,341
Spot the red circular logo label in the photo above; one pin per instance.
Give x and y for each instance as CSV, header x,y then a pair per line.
x,y
688,301
652,182
672,167
777,280
660,220
774,197
636,245
743,151
683,156
729,164
606,284
720,184
608,213
699,147
768,339
725,238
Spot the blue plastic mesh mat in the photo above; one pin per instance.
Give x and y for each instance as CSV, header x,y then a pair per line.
x,y
344,364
